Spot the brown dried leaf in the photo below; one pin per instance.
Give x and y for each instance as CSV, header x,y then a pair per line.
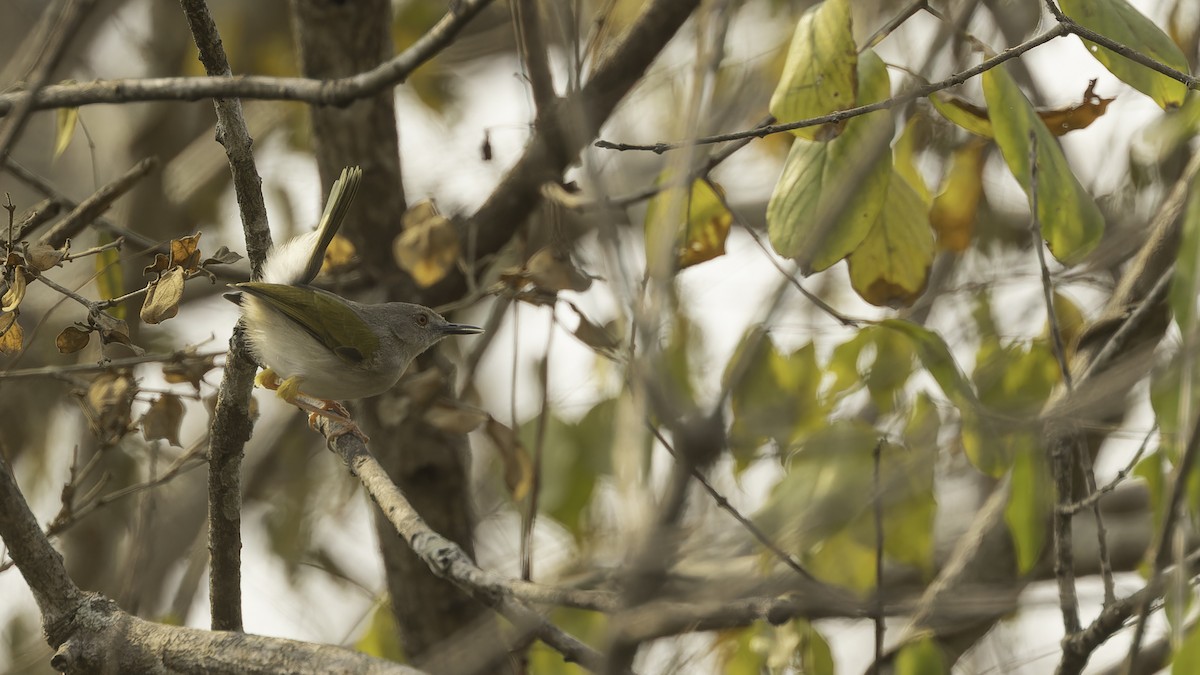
x,y
12,337
72,339
223,256
518,468
553,270
455,417
163,296
16,291
191,369
162,263
42,256
428,247
108,399
597,337
163,419
185,252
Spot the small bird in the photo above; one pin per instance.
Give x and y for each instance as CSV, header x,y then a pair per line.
x,y
317,348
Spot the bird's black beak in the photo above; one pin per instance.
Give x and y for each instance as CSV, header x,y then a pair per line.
x,y
460,329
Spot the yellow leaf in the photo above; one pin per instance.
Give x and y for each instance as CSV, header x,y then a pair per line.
x,y
16,290
904,154
64,129
830,194
12,338
891,266
820,74
428,248
109,280
702,235
954,208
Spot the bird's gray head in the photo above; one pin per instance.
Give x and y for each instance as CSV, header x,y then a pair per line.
x,y
411,328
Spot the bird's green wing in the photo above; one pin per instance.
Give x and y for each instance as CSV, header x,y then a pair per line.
x,y
324,315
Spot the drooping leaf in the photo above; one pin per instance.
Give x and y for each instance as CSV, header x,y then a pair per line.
x,y
891,266
64,129
1070,220
163,420
776,397
381,639
1120,21
1029,504
12,337
428,248
577,456
921,657
821,495
15,292
830,193
912,139
551,269
1187,654
1185,285
109,280
938,360
42,256
518,467
72,339
1013,382
163,296
1059,121
701,234
954,208
820,74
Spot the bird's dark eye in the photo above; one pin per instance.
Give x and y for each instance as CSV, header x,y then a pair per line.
x,y
422,319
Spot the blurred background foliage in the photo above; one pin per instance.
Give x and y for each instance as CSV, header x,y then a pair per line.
x,y
903,406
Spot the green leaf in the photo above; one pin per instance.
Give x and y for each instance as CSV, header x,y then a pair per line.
x,y
1013,382
814,655
884,372
1185,286
1117,19
938,360
776,397
830,194
822,491
819,76
891,266
1187,654
579,455
382,638
1029,504
1070,220
921,657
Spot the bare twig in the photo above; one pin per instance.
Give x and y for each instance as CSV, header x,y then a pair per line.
x,y
86,212
63,19
316,92
1162,554
886,104
447,559
231,421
